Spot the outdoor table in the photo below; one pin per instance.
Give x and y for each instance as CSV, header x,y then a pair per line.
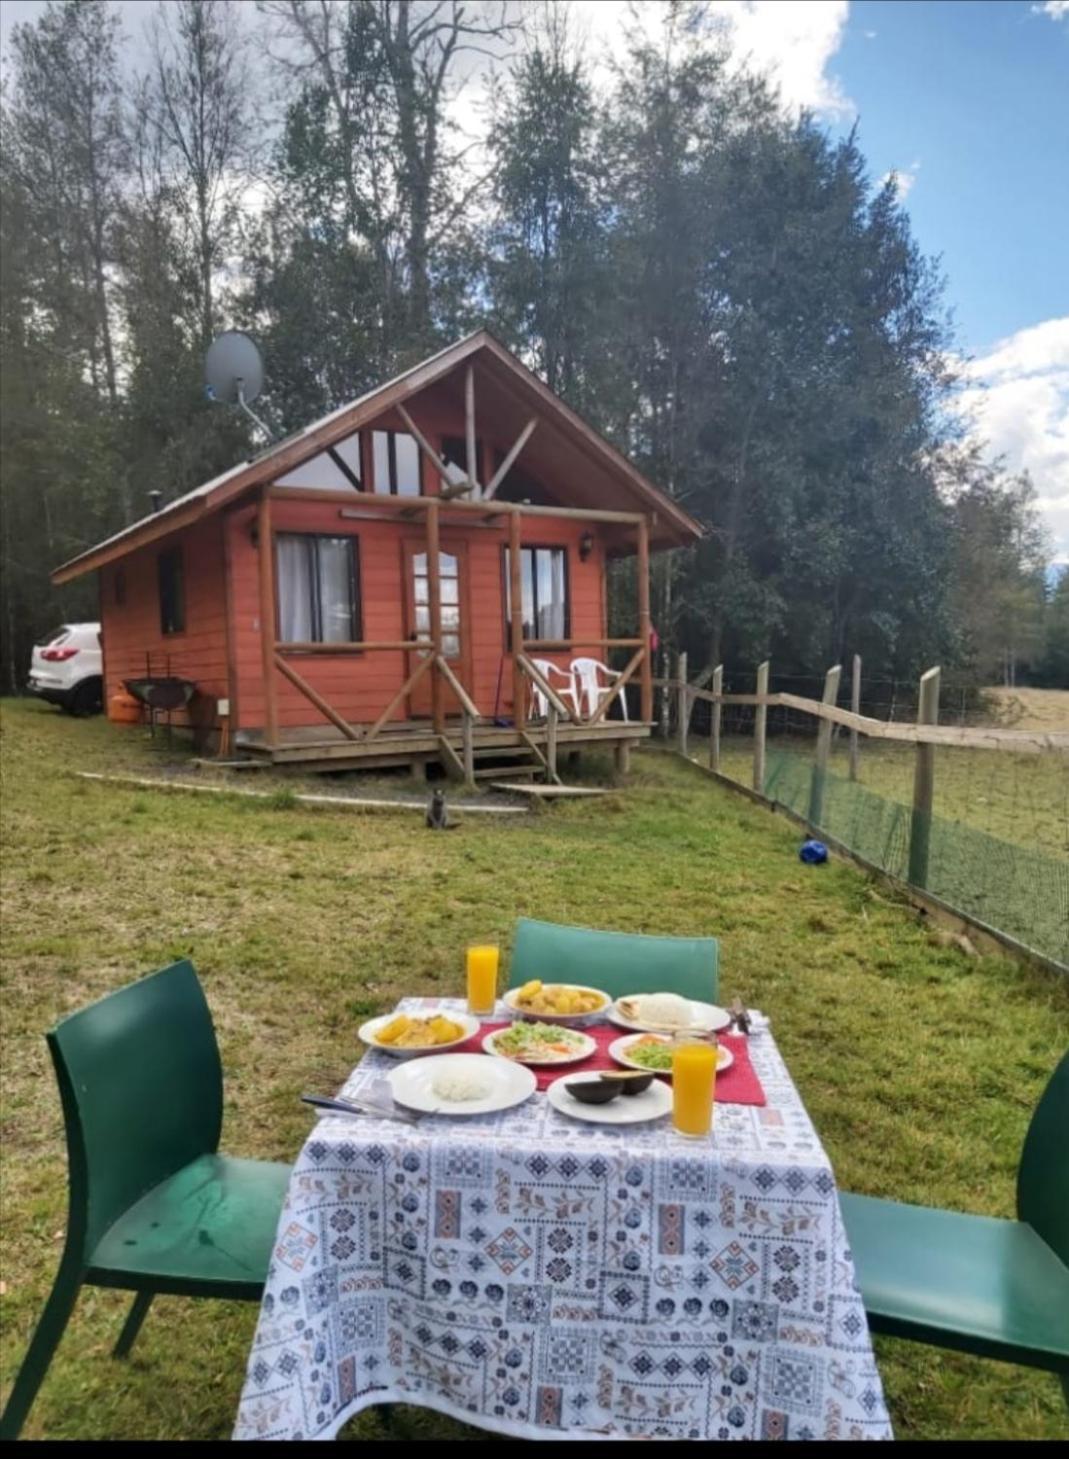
x,y
542,1277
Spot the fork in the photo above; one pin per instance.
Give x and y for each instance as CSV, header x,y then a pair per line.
x,y
360,1107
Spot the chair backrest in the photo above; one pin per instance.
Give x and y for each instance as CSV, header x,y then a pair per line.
x,y
1043,1174
588,670
142,1090
616,962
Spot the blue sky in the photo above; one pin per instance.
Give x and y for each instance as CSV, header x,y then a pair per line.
x,y
973,95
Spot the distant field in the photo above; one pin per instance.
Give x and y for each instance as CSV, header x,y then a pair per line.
x,y
1042,709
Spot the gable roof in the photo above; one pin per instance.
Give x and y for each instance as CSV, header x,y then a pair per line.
x,y
672,526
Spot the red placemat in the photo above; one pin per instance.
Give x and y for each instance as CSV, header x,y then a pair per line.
x,y
737,1085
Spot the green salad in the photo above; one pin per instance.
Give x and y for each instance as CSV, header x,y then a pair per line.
x,y
651,1054
540,1041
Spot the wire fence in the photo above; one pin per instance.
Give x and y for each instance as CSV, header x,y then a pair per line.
x,y
997,833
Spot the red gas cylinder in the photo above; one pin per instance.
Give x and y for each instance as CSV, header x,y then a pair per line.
x,y
123,708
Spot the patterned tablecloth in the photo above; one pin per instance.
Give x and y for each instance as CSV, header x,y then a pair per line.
x,y
546,1278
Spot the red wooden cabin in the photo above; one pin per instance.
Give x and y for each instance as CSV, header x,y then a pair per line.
x,y
355,595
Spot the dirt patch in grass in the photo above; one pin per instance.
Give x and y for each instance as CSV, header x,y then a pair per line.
x,y
920,1066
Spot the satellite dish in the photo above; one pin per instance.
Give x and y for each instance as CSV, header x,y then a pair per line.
x,y
233,369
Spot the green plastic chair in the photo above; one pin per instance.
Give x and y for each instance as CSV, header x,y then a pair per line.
x,y
616,962
153,1206
994,1288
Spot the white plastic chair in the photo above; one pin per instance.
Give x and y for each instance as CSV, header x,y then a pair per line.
x,y
591,689
547,668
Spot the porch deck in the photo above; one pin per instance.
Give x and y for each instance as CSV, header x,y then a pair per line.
x,y
415,743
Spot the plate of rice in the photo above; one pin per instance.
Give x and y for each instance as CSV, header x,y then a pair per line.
x,y
667,1013
460,1084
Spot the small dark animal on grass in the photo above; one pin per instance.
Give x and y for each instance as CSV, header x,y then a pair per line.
x,y
437,814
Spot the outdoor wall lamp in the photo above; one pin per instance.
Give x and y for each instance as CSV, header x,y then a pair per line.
x,y
586,546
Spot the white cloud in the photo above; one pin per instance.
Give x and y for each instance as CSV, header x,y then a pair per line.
x,y
793,40
903,179
1018,396
1056,9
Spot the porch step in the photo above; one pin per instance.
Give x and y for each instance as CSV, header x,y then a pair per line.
x,y
523,770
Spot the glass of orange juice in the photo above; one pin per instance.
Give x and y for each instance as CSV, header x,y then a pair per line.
x,y
693,1085
482,979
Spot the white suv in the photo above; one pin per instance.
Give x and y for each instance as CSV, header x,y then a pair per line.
x,y
67,668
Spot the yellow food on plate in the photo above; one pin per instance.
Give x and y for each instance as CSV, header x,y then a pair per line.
x,y
403,1032
558,998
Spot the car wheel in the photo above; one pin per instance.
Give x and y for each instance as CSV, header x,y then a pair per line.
x,y
88,698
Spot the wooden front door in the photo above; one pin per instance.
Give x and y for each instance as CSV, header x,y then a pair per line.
x,y
456,646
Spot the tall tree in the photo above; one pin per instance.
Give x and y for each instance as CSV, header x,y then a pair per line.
x,y
548,272
64,136
199,100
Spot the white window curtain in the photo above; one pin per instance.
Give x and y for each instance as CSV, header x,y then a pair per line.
x,y
335,589
295,585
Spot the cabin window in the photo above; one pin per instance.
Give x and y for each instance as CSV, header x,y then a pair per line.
x,y
396,461
318,588
119,584
544,578
172,591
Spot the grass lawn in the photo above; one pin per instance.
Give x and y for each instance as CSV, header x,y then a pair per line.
x,y
919,1065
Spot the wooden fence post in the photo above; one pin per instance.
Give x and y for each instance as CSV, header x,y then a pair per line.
x,y
820,764
760,723
717,708
855,705
682,696
920,829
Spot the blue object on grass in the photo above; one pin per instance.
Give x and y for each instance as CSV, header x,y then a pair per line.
x,y
813,852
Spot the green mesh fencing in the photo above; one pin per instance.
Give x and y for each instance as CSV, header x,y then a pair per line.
x,y
1015,889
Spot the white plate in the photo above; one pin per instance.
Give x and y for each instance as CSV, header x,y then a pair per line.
x,y
368,1030
584,1051
412,1084
619,1047
575,1020
705,1018
626,1109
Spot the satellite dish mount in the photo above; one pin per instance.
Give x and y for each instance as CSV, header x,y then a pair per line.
x,y
234,373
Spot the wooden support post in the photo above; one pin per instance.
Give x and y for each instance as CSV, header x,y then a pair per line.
x,y
760,724
855,706
920,830
623,758
425,445
820,764
506,465
267,619
682,704
551,742
468,731
519,710
643,572
434,596
469,426
717,710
